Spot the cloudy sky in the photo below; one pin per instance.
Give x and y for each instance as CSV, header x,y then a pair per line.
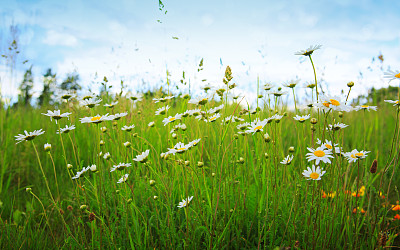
x,y
134,41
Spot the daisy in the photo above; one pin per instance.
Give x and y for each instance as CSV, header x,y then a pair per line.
x,y
128,128
142,157
231,118
47,147
301,119
90,103
107,156
396,103
136,97
79,173
268,86
287,160
124,178
199,100
28,136
278,93
151,124
88,96
172,119
292,83
243,126
120,166
275,117
185,203
66,95
119,115
365,107
308,51
392,75
319,154
216,109
56,115
162,110
194,143
163,99
111,105
179,148
97,119
334,103
314,174
354,155
93,168
206,87
194,112
336,126
180,126
256,126
213,118
328,145
127,144
66,130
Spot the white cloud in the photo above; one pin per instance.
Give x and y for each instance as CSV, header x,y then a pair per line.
x,y
60,38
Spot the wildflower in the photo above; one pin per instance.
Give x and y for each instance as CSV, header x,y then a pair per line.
x,y
111,105
328,145
172,119
179,148
275,117
163,99
66,130
268,86
124,178
319,154
396,207
151,124
336,126
216,109
102,143
56,115
396,103
120,166
396,217
28,136
334,103
180,126
199,100
365,107
91,103
47,147
206,87
313,173
162,110
309,51
128,128
256,126
152,183
142,157
213,118
185,203
79,173
287,160
291,84
354,155
107,156
88,96
136,97
278,93
392,75
194,143
301,119
97,119
103,129
194,112
243,126
66,95
93,168
127,144
119,116
374,167
360,192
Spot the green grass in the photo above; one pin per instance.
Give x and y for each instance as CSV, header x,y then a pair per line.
x,y
241,198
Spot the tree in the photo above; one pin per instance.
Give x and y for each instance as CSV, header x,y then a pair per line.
x,y
25,88
71,82
49,82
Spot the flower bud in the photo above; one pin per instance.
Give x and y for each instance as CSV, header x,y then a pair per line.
x,y
213,174
267,138
235,136
200,164
135,135
241,160
313,121
341,114
117,191
69,166
266,156
47,147
83,207
313,128
374,167
187,163
350,84
139,112
127,144
103,129
151,124
129,201
115,123
174,136
152,183
291,149
28,190
155,197
102,143
93,168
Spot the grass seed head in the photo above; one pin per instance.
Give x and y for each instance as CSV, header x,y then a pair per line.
x,y
374,167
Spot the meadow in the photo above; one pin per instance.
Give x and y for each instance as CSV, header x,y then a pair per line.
x,y
163,171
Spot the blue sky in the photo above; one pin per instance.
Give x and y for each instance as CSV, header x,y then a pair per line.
x,y
124,40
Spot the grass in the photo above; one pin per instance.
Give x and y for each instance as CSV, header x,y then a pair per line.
x,y
242,196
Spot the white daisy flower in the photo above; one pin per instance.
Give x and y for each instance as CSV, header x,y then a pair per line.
x,y
328,145
66,95
314,173
334,103
185,203
243,126
172,119
194,112
319,154
302,118
47,147
93,168
142,157
213,118
308,51
66,130
97,119
90,103
201,100
216,109
291,84
127,144
119,116
365,107
231,118
56,115
111,105
256,126
268,86
88,96
151,124
278,93
392,75
336,126
124,178
120,166
396,103
354,155
28,136
179,148
136,97
107,156
206,87
288,159
194,143
128,128
162,110
275,117
79,173
163,99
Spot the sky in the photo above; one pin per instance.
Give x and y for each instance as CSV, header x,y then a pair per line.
x,y
136,42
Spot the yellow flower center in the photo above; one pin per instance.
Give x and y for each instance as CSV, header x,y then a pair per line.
x,y
397,75
95,118
328,146
352,156
359,154
172,119
334,102
302,119
314,176
257,128
181,149
212,119
319,153
326,104
364,106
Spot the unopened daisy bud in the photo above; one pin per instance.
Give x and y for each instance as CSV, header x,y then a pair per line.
x,y
200,164
350,84
47,147
83,207
127,144
231,210
135,135
291,149
107,156
102,143
187,163
285,114
341,114
115,123
117,191
280,88
139,112
28,190
155,197
235,136
241,160
151,124
129,201
266,156
69,166
93,168
260,96
152,183
277,120
103,129
313,128
174,136
313,121
374,167
212,174
267,138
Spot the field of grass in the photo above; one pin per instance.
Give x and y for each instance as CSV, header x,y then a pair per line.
x,y
243,197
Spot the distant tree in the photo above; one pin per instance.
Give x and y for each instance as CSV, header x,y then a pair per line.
x,y
71,82
49,82
25,88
